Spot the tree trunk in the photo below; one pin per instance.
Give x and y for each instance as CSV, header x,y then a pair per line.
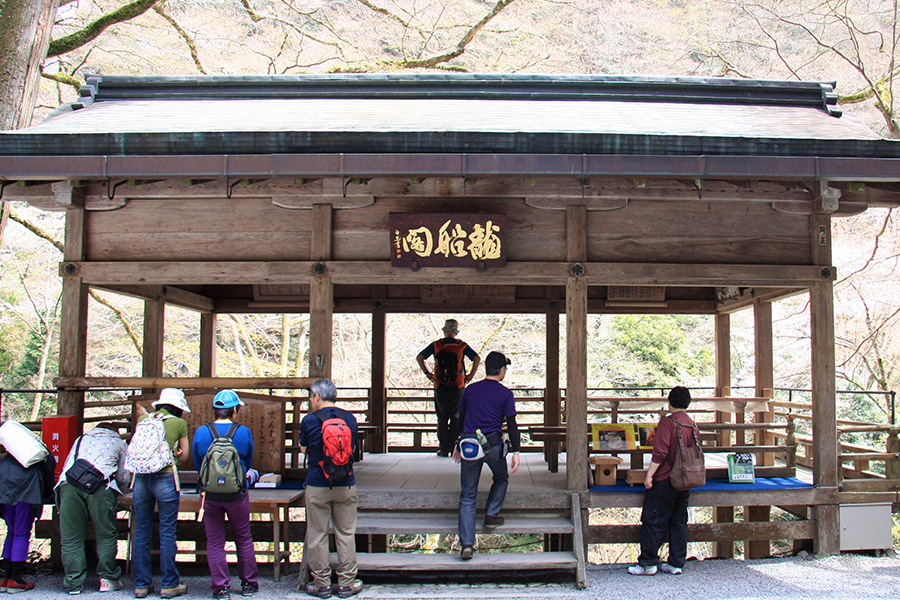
x,y
24,38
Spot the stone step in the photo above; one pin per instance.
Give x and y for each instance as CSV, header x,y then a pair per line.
x,y
482,561
425,524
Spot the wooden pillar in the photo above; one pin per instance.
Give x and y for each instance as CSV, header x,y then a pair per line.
x,y
764,371
208,345
723,514
551,379
577,470
321,295
154,331
73,318
826,468
378,412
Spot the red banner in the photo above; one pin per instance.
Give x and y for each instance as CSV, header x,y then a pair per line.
x,y
448,240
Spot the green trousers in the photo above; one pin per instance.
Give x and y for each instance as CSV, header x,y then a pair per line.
x,y
75,507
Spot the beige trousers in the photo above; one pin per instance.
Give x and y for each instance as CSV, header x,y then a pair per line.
x,y
338,505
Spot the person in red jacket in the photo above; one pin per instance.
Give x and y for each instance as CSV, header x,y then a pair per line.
x,y
665,508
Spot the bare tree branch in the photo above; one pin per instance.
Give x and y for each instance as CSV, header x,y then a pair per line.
x,y
160,9
93,29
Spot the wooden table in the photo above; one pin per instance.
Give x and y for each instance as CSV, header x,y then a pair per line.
x,y
270,501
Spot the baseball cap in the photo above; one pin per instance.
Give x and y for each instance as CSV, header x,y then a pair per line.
x,y
496,361
227,399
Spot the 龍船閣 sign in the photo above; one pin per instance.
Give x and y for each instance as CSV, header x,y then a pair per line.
x,y
447,240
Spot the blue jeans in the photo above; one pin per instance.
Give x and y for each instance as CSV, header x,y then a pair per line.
x,y
159,489
470,472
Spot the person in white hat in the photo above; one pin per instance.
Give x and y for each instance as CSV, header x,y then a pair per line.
x,y
161,489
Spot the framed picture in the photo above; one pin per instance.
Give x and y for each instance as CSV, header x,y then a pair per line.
x,y
611,437
646,434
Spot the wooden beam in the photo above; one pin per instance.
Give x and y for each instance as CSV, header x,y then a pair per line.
x,y
551,378
169,294
156,383
577,469
154,334
765,366
73,319
378,414
208,345
723,548
576,234
321,301
825,443
321,232
753,295
380,272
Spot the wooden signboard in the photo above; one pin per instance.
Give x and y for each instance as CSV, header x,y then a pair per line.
x,y
263,414
448,240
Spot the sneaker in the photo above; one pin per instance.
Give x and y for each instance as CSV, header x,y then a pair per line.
x,y
248,589
491,521
178,590
667,568
318,592
75,591
14,587
467,553
3,583
110,585
345,591
142,592
642,569
223,594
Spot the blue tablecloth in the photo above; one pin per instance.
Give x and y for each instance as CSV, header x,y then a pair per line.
x,y
715,485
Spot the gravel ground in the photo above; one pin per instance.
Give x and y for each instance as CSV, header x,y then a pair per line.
x,y
850,576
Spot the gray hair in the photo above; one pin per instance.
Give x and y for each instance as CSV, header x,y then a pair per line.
x,y
325,389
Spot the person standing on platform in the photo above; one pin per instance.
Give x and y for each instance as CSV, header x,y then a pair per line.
x,y
160,488
665,511
449,378
482,410
23,493
104,449
227,404
330,493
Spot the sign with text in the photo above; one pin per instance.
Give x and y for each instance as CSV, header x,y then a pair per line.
x,y
448,240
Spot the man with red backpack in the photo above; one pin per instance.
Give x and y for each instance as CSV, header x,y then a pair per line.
x,y
328,436
450,379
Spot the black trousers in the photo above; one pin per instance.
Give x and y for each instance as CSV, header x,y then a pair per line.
x,y
665,513
446,407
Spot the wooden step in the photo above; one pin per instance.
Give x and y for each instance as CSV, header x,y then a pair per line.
x,y
392,524
482,561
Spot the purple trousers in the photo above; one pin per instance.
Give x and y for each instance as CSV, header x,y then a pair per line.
x,y
238,512
19,520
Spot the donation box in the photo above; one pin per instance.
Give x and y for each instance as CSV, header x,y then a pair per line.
x,y
59,433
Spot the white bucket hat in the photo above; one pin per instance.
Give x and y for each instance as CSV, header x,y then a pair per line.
x,y
174,398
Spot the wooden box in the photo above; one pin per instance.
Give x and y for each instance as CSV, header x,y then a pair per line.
x,y
605,469
635,476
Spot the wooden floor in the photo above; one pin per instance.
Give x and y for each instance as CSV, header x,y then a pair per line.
x,y
420,471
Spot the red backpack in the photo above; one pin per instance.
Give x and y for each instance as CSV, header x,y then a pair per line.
x,y
337,445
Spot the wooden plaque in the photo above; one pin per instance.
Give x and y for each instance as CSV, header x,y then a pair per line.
x,y
448,240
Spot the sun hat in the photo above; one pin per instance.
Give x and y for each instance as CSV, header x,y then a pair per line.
x,y
172,397
227,399
451,326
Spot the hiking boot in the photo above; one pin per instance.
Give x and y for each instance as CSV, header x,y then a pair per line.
x,y
318,592
248,589
142,592
667,568
642,569
491,521
178,590
110,585
467,553
14,587
223,594
75,591
345,591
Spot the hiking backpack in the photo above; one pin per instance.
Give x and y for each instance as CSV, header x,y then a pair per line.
x,y
448,364
221,471
688,466
337,446
148,451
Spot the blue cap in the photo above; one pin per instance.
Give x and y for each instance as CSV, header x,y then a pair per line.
x,y
226,399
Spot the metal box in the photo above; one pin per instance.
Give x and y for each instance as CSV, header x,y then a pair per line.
x,y
866,526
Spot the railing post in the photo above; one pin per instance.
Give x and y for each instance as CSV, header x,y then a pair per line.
x,y
791,442
892,446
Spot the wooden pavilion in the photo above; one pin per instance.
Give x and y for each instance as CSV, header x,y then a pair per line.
x,y
555,195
